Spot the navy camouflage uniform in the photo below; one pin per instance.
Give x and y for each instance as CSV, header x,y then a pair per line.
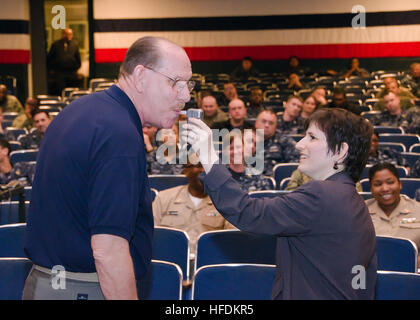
x,y
22,171
387,155
404,119
154,167
249,182
279,149
414,84
290,127
31,140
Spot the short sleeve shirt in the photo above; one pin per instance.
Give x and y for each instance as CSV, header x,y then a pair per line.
x,y
91,179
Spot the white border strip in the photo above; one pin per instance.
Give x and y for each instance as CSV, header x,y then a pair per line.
x,y
266,37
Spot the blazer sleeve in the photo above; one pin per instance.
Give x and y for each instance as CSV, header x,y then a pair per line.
x,y
293,214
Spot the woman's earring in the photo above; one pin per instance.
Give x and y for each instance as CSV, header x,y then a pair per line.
x,y
335,167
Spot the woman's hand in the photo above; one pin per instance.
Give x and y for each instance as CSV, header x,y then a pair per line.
x,y
200,137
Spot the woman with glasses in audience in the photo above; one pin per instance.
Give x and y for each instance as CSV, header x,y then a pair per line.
x,y
393,214
326,245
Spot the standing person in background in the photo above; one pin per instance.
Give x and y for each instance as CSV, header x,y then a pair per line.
x,y
63,61
323,228
245,70
91,208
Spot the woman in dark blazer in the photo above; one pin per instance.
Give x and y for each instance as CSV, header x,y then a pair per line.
x,y
326,239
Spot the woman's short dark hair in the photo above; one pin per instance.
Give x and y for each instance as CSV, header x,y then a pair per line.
x,y
341,126
382,166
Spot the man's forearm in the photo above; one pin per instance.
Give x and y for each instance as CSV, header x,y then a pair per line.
x,y
115,270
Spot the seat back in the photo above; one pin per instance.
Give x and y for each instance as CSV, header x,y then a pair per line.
x,y
399,147
411,157
9,212
11,240
283,170
16,131
233,282
13,274
391,285
234,246
409,186
163,281
396,254
415,148
407,139
23,155
165,181
402,171
388,129
172,245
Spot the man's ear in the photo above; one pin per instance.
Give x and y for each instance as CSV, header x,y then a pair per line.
x,y
138,77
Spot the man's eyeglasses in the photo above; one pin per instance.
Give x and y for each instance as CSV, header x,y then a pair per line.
x,y
178,84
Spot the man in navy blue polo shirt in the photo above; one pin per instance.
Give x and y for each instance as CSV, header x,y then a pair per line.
x,y
90,217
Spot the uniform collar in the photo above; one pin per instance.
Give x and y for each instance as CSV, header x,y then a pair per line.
x,y
402,208
124,101
183,197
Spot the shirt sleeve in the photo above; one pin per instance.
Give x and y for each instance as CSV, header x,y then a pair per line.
x,y
292,214
114,196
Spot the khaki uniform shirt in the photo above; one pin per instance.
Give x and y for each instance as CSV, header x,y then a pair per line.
x,y
22,121
174,208
403,222
220,116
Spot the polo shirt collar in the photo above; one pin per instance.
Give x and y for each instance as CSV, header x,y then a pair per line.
x,y
117,94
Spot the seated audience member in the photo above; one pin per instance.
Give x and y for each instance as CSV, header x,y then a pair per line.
x,y
32,140
391,84
237,116
245,70
415,170
298,178
413,79
164,159
290,122
4,133
355,69
384,154
24,119
229,94
394,115
294,66
339,100
235,150
212,112
255,104
308,107
320,96
294,83
9,103
149,137
22,171
392,213
188,207
278,148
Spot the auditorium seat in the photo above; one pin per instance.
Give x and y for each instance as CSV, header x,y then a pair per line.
x,y
396,254
23,155
234,246
391,285
165,181
13,274
411,157
407,139
283,170
233,282
163,281
16,132
11,240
